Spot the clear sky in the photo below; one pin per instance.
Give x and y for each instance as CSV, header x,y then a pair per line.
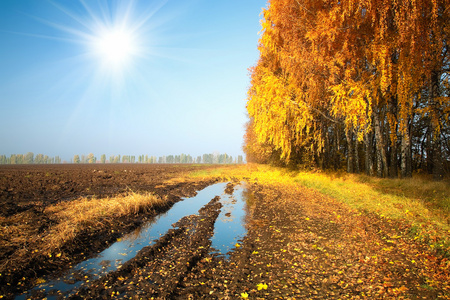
x,y
125,77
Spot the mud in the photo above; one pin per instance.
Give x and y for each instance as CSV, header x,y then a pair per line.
x,y
26,190
157,271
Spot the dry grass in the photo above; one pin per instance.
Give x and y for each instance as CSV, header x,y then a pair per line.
x,y
78,215
21,231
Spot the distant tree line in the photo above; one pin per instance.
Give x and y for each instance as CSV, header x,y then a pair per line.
x,y
30,158
169,159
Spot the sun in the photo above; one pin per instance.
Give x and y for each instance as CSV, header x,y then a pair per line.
x,y
110,38
115,46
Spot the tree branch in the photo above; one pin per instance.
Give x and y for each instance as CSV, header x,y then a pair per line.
x,y
307,10
316,110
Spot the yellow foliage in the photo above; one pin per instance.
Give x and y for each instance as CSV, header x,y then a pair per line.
x,y
326,64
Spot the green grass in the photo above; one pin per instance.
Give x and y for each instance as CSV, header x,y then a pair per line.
x,y
416,199
419,201
434,194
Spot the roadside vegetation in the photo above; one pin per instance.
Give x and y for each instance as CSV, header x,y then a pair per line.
x,y
78,215
419,201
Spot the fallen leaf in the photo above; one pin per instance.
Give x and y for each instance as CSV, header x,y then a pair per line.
x,y
261,286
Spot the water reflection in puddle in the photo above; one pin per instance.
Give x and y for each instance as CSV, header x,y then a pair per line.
x,y
230,225
229,228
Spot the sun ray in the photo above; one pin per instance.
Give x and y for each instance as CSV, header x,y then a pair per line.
x,y
70,14
114,37
72,33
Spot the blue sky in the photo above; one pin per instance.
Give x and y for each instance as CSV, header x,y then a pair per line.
x,y
181,89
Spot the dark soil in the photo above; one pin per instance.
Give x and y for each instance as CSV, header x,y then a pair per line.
x,y
25,187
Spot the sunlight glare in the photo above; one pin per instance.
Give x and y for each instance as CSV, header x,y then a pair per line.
x,y
112,38
115,46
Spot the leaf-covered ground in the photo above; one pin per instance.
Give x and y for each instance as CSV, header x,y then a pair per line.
x,y
300,245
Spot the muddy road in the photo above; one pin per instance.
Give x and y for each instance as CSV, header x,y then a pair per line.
x,y
158,270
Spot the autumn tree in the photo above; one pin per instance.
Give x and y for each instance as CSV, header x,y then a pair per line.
x,y
255,150
29,158
91,158
353,79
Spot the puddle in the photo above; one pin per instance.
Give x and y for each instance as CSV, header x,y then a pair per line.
x,y
230,225
228,230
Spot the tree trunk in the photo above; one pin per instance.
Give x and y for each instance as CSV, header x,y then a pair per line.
x,y
326,152
393,127
350,153
406,159
381,146
429,149
438,169
393,168
320,159
337,151
368,158
356,167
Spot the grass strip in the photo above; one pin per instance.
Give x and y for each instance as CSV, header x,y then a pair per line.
x,y
75,216
419,201
68,219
